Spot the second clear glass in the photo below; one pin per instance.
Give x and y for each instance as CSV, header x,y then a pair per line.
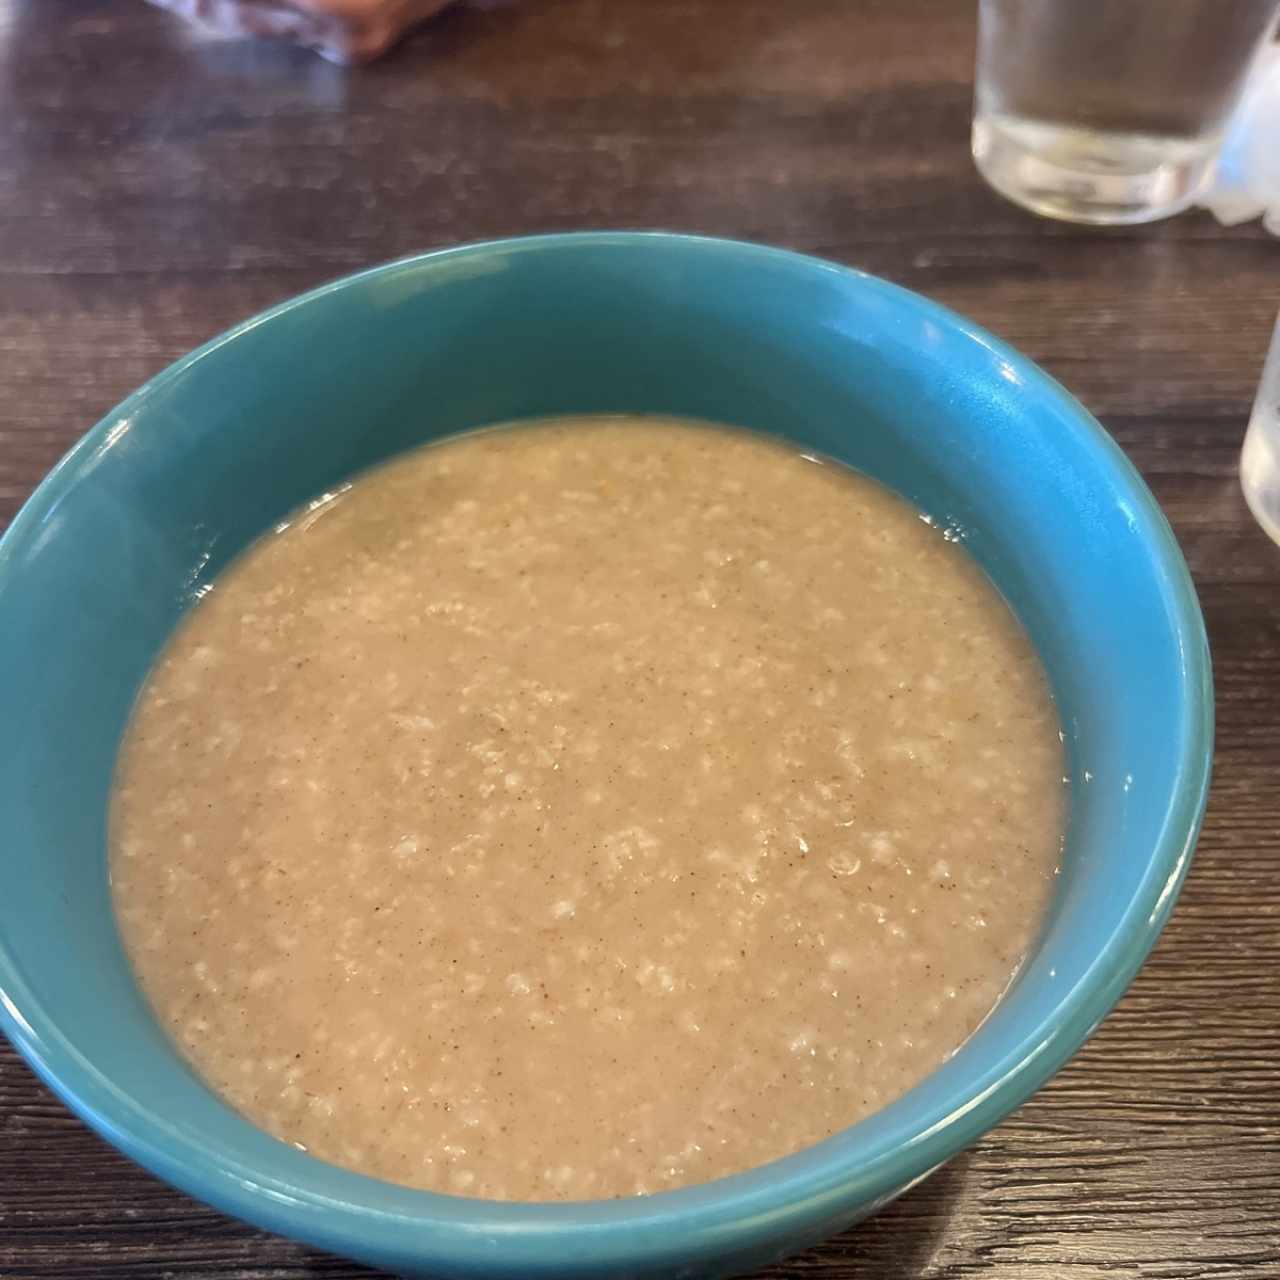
x,y
1260,461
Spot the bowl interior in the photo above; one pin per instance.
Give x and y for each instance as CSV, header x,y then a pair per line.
x,y
98,567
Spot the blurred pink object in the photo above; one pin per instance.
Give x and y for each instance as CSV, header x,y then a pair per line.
x,y
341,30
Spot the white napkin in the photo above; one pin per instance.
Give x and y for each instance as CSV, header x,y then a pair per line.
x,y
1246,179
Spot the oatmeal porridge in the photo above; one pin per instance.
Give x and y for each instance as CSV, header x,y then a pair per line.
x,y
586,809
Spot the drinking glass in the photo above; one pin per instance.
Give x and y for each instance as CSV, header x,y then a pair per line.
x,y
1260,460
1109,111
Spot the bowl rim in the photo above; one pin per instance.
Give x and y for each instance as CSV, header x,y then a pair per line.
x,y
809,1186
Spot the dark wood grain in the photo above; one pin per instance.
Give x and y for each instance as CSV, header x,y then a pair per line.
x,y
155,188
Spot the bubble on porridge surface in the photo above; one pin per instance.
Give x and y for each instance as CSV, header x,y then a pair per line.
x,y
586,810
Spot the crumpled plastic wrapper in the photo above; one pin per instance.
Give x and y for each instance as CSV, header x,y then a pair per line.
x,y
345,31
1246,179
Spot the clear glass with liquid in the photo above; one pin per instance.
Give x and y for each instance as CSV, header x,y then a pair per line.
x,y
1109,111
1260,460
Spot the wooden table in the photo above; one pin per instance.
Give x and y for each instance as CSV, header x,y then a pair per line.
x,y
155,187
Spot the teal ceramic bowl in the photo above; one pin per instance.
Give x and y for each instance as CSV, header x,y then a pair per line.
x,y
99,565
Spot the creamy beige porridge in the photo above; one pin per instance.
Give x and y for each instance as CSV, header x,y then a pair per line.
x,y
586,809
